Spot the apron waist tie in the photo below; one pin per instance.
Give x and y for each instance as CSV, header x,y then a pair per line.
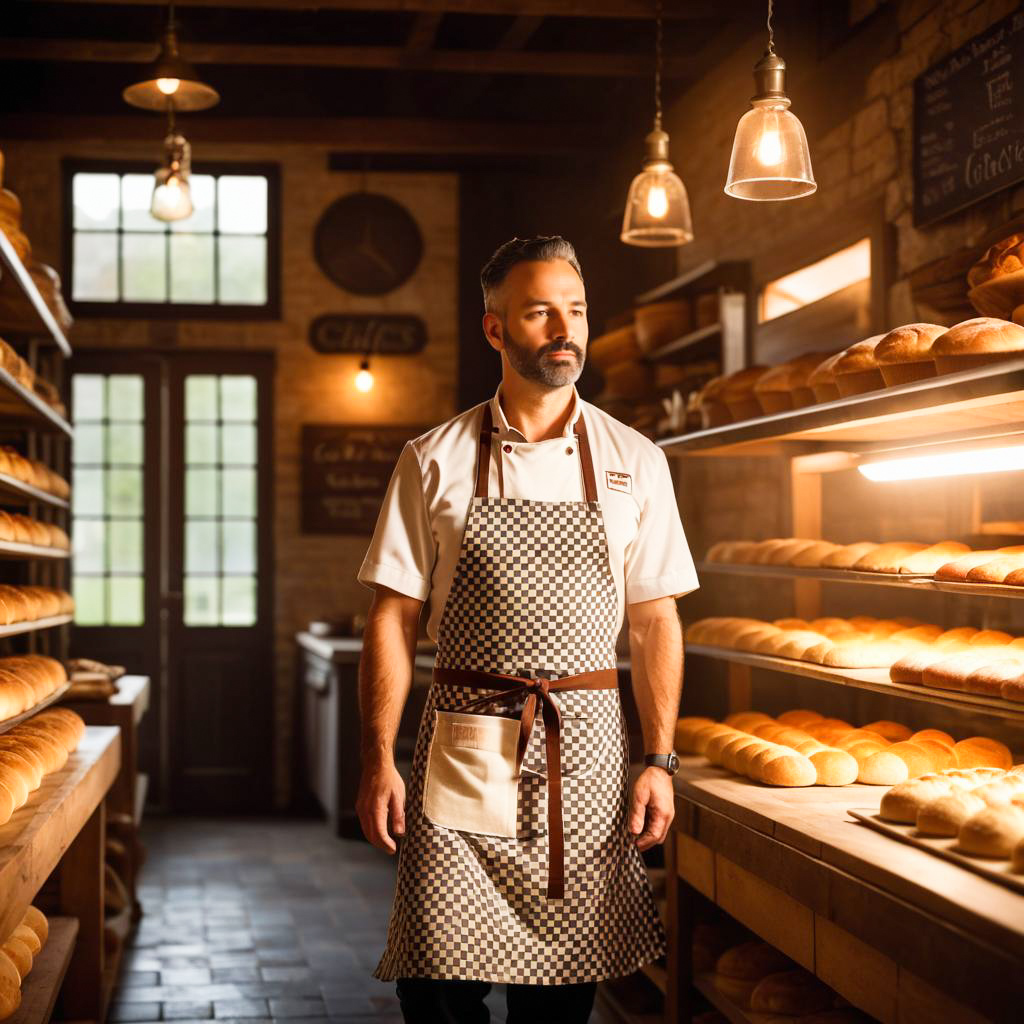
x,y
537,692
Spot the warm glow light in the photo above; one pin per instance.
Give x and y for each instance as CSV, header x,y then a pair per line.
x,y
769,149
168,86
172,198
657,201
816,280
364,379
921,467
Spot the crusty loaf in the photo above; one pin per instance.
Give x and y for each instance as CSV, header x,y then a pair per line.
x,y
951,673
848,555
976,342
996,570
956,570
944,815
993,832
857,654
857,370
983,752
822,380
793,992
927,561
799,717
990,679
937,735
904,354
887,557
894,732
813,555
903,802
686,730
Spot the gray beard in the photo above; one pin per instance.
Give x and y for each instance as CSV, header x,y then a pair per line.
x,y
538,367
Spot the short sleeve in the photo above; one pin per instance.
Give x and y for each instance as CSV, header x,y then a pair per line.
x,y
658,561
402,552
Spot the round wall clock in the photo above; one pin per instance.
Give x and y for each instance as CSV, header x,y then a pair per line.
x,y
367,243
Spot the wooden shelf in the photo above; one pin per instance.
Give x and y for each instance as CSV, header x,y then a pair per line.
x,y
121,925
874,679
19,405
983,403
141,789
132,691
11,550
36,837
40,989
17,628
705,985
22,308
17,492
704,276
10,723
677,351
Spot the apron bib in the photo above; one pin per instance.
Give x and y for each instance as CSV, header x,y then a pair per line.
x,y
532,597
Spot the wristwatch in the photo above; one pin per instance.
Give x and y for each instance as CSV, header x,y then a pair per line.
x,y
670,762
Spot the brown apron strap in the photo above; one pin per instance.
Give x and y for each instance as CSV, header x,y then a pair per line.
x,y
483,462
586,460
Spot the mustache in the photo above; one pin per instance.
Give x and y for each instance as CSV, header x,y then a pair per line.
x,y
560,346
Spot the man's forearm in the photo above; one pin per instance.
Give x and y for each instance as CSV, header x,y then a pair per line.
x,y
656,650
385,678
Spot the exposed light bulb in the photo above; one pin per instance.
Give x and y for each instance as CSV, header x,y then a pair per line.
x,y
921,467
168,86
769,149
657,201
364,379
172,198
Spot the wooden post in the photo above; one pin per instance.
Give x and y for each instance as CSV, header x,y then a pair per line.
x,y
739,687
805,520
679,899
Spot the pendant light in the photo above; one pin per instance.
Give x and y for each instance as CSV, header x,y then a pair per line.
x,y
364,378
657,207
170,77
770,159
172,195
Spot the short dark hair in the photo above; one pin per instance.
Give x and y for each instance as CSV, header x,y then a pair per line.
x,y
544,248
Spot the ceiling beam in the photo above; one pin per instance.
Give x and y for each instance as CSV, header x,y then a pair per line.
x,y
639,9
351,134
485,62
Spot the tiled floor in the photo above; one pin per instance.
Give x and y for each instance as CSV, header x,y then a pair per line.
x,y
260,920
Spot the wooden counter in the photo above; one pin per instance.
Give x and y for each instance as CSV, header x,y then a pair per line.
x,y
898,932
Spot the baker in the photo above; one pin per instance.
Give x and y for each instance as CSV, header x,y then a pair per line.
x,y
528,524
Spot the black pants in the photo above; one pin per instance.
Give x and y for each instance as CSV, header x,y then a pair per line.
x,y
428,1001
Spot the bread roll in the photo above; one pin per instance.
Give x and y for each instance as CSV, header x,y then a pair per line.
x,y
752,961
887,557
977,342
930,559
904,354
920,759
717,743
834,767
942,755
746,720
794,992
745,757
36,920
956,570
798,718
995,570
812,557
944,815
937,735
982,752
10,986
883,769
686,729
704,735
25,934
989,680
894,732
822,380
20,955
784,553
848,555
856,369
789,769
732,749
993,832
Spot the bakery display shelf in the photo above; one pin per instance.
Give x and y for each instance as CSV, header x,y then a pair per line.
x,y
978,589
16,492
920,583
874,679
40,988
732,1011
31,625
704,276
10,723
993,868
119,924
12,549
677,351
985,402
19,405
39,833
22,307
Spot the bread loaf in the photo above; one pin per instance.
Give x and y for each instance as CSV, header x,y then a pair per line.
x,y
788,769
834,767
813,555
930,559
956,570
993,832
738,392
894,732
848,555
752,961
887,557
936,735
944,815
35,919
20,955
793,992
10,986
857,370
996,570
883,769
686,730
798,718
990,679
982,752
977,342
822,380
904,354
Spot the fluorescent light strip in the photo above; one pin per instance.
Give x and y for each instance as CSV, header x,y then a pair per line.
x,y
921,467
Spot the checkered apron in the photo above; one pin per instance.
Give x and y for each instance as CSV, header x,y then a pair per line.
x,y
533,595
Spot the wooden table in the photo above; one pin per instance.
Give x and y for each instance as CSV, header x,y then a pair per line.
x,y
898,932
60,831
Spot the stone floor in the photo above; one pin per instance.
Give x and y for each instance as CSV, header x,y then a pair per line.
x,y
258,921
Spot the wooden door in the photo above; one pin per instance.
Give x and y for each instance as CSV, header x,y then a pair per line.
x,y
173,568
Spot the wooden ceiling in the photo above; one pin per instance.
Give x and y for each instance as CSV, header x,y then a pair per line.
x,y
375,76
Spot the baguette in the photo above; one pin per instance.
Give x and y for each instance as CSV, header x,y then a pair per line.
x,y
848,555
686,730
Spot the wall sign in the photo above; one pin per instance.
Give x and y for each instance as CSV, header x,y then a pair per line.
x,y
969,122
388,334
345,474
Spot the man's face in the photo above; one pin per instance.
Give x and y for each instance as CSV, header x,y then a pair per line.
x,y
543,327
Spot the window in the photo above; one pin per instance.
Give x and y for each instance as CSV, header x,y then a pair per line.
x,y
220,261
107,499
220,500
817,280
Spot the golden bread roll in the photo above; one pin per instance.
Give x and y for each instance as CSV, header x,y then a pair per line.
x,y
702,737
752,961
936,735
891,731
996,570
686,730
834,767
10,986
991,638
20,955
982,752
29,755
745,720
977,342
799,717
731,751
993,832
919,758
822,379
956,570
796,643
791,623
904,354
848,555
25,934
17,775
989,680
954,637
857,370
887,557
751,639
51,748
883,769
795,992
942,755
713,751
944,815
746,756
764,549
35,919
857,654
931,559
812,556
32,748
787,769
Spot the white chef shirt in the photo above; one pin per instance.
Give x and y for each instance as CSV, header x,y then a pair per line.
x,y
416,543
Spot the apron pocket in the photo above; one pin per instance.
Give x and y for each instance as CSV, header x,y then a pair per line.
x,y
471,783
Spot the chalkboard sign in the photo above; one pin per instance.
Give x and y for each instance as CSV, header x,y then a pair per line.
x,y
345,474
969,122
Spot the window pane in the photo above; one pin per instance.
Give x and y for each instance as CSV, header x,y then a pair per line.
x,y
201,186
242,204
125,394
201,397
238,398
200,492
125,492
200,444
125,443
239,495
87,492
125,536
95,200
192,268
126,601
201,601
136,197
94,259
88,443
144,268
239,601
243,270
238,543
200,546
88,548
90,594
87,397
239,443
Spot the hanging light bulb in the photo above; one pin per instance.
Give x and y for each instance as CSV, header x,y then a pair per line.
x,y
172,196
770,159
657,207
170,75
364,379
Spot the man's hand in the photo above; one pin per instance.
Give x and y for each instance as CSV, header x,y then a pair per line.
x,y
381,805
652,807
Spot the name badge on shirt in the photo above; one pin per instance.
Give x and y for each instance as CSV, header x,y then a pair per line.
x,y
618,481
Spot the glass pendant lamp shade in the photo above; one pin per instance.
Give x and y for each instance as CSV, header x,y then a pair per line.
x,y
172,196
657,208
170,79
770,159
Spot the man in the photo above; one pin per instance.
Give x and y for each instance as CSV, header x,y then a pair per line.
x,y
527,523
